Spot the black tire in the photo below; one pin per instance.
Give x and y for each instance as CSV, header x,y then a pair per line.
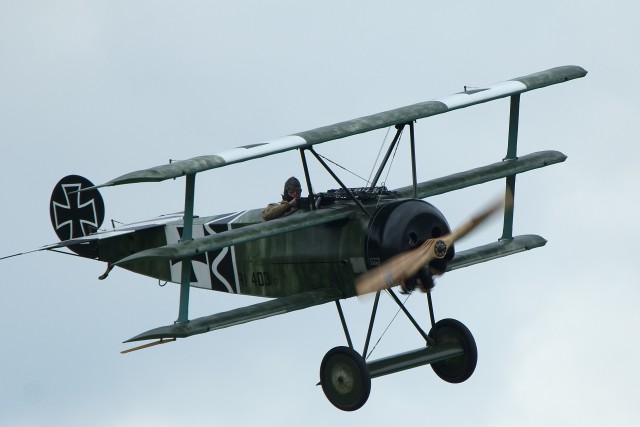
x,y
345,378
456,369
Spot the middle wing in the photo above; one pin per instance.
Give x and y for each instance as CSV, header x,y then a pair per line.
x,y
483,174
325,215
495,250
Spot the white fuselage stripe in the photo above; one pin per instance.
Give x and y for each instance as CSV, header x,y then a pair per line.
x,y
233,256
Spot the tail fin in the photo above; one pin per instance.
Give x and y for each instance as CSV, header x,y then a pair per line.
x,y
76,214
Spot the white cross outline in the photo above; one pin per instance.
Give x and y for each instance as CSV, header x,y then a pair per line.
x,y
76,187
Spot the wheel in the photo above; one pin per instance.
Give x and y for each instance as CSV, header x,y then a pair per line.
x,y
345,378
460,368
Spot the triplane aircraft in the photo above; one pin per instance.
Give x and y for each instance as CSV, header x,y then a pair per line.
x,y
364,240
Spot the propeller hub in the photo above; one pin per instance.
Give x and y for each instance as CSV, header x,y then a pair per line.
x,y
440,249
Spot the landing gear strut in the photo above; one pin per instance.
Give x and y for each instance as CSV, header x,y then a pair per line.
x,y
346,377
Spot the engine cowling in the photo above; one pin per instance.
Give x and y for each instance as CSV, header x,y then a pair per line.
x,y
402,225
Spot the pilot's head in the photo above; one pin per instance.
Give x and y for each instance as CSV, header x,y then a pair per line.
x,y
292,189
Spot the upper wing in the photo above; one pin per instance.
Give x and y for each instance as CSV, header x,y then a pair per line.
x,y
352,127
249,233
241,315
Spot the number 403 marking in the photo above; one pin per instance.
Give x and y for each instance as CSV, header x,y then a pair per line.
x,y
258,278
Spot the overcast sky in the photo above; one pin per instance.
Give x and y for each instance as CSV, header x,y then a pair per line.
x,y
101,88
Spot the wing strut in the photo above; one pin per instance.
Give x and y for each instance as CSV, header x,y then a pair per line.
x,y
512,147
413,161
308,179
187,235
399,129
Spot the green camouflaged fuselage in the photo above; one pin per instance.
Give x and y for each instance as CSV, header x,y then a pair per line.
x,y
321,256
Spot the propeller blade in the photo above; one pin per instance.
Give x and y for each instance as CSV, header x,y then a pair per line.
x,y
396,269
403,266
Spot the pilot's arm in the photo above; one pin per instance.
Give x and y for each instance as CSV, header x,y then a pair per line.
x,y
276,210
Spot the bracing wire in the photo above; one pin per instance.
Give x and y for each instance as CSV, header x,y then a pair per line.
x,y
387,328
395,151
392,159
342,167
384,141
368,180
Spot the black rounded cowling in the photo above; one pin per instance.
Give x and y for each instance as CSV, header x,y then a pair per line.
x,y
402,225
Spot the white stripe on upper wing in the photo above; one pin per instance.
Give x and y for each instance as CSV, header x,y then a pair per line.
x,y
268,147
497,90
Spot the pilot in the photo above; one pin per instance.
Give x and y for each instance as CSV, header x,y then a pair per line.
x,y
290,203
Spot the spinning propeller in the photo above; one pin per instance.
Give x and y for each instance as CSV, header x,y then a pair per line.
x,y
401,267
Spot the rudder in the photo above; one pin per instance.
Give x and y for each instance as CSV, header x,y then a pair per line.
x,y
76,214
